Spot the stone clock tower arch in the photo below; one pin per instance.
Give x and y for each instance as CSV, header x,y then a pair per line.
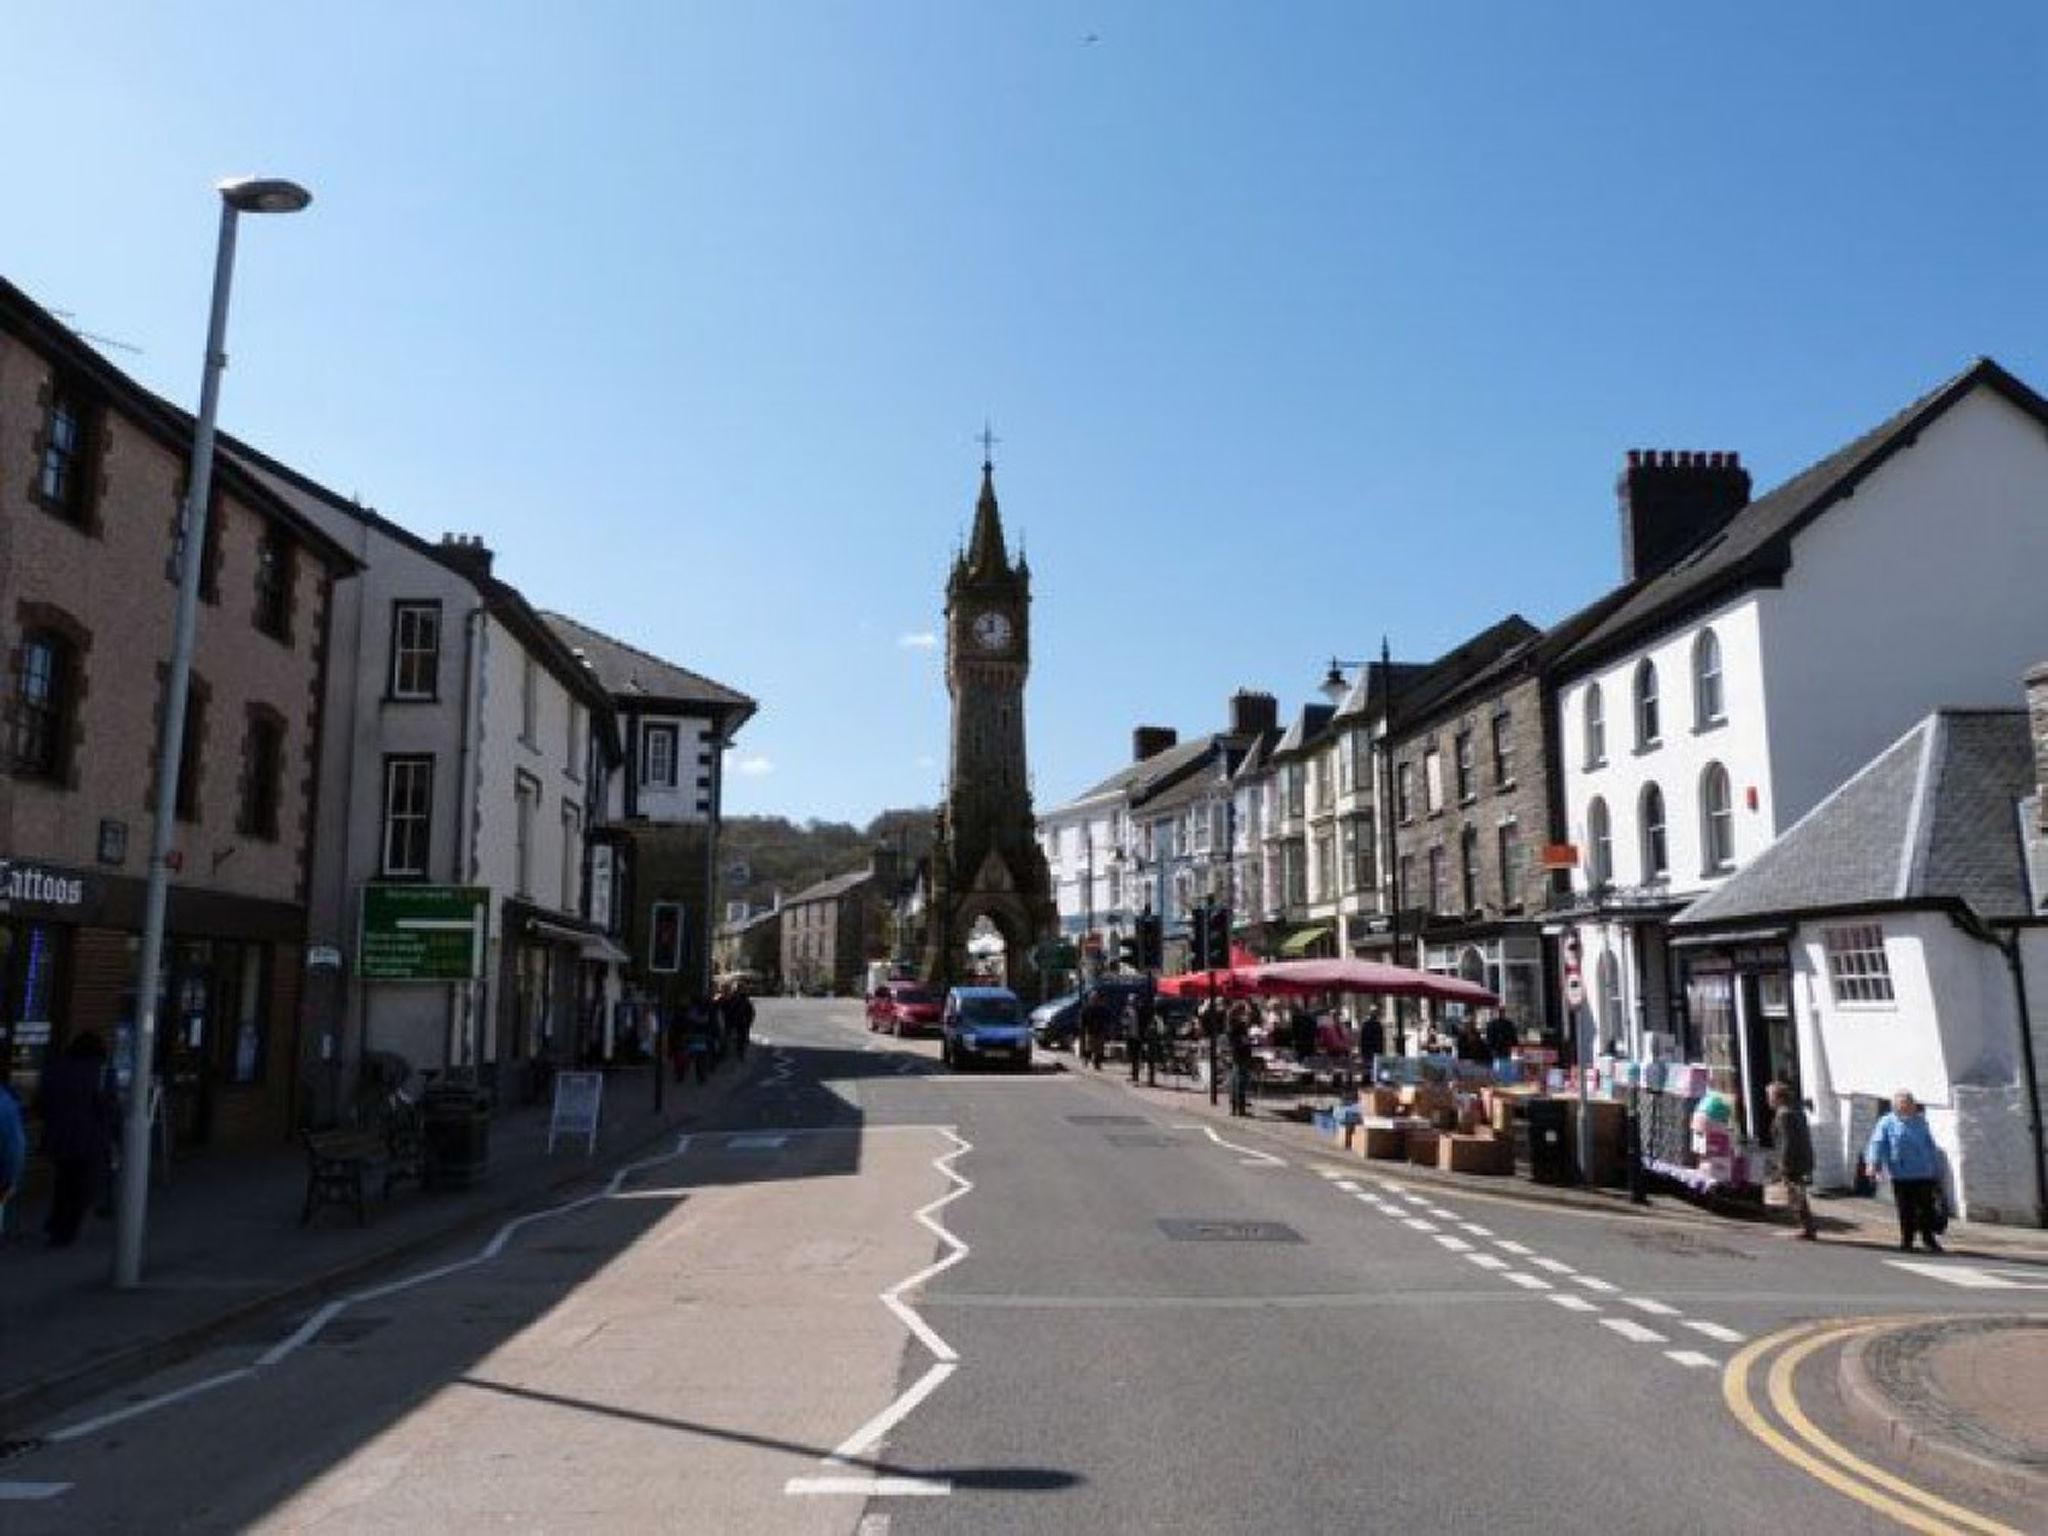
x,y
987,862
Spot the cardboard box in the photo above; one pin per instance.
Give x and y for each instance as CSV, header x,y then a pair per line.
x,y
1422,1144
1502,1119
1379,1103
1475,1154
1386,1142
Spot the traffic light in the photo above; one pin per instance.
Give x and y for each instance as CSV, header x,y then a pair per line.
x,y
1148,942
665,938
1217,919
1198,937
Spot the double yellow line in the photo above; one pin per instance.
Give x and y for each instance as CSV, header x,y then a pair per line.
x,y
1815,1452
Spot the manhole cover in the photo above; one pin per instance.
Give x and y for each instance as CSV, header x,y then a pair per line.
x,y
349,1330
1107,1120
1211,1229
1139,1139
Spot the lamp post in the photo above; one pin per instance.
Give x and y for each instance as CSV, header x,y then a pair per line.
x,y
237,197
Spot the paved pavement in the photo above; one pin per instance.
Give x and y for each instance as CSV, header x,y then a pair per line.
x,y
870,1296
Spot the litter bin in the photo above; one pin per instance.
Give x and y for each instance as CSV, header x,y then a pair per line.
x,y
1551,1158
457,1122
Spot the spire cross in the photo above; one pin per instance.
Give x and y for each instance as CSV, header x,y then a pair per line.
x,y
988,440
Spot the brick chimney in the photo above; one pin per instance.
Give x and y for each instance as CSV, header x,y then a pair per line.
x,y
2037,717
467,553
1148,741
1671,500
1252,712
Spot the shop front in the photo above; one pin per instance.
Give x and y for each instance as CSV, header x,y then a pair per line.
x,y
1738,1016
1508,962
70,943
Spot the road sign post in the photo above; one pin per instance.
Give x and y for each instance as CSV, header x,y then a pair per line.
x,y
423,932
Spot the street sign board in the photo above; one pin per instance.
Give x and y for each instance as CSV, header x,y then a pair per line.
x,y
579,1097
423,932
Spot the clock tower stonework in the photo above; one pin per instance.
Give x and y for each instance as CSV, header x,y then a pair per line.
x,y
987,862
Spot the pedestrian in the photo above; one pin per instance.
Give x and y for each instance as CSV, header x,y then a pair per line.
x,y
1242,1061
1138,1020
1469,1043
700,1027
1096,1021
1902,1148
13,1146
738,1011
79,1116
1793,1139
1501,1036
1372,1041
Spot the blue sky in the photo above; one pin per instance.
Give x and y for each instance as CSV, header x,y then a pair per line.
x,y
1300,323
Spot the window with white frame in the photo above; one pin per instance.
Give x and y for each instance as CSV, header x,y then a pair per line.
x,y
526,804
1656,845
1513,870
1433,780
1717,821
1468,781
415,650
1857,969
658,756
408,814
1595,722
1599,843
1707,706
1649,727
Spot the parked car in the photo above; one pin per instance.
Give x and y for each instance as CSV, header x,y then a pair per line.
x,y
903,1008
1055,1024
985,1026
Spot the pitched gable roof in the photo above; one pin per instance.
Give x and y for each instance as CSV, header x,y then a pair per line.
x,y
627,672
829,890
1933,818
1755,544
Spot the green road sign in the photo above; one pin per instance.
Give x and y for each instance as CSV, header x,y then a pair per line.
x,y
423,932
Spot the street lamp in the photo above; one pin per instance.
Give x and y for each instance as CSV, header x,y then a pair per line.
x,y
247,194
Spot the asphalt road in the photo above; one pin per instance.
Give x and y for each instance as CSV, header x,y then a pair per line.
x,y
872,1296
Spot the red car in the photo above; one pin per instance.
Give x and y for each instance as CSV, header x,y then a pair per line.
x,y
903,1008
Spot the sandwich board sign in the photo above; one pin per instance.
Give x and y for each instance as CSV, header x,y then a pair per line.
x,y
578,1097
423,932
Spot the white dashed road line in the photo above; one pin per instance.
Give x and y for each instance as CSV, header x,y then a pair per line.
x,y
1633,1331
1653,1307
1691,1357
1554,1266
1517,1249
1715,1331
1573,1303
1594,1283
1529,1282
1455,1244
1486,1261
1475,1229
1419,1224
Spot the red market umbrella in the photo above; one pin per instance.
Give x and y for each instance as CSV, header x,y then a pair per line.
x,y
1370,976
1235,982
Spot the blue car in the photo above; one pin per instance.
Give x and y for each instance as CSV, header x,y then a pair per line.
x,y
985,1026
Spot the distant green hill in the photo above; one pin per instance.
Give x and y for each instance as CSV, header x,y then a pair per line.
x,y
760,855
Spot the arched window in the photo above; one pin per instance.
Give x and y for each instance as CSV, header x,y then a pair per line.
x,y
1599,844
1649,731
45,687
1717,821
1707,706
1656,848
1596,727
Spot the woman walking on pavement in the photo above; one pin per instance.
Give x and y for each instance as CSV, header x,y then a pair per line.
x,y
79,1118
1793,1139
1902,1148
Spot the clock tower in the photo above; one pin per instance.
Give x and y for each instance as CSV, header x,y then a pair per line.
x,y
987,862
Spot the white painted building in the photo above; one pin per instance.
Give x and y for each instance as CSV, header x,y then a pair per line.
x,y
1765,650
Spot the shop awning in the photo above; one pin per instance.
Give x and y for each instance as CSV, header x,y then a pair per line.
x,y
1302,940
1682,940
596,947
593,946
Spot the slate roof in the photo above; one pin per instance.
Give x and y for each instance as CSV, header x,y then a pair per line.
x,y
1755,544
829,890
1934,818
1136,779
628,672
1309,727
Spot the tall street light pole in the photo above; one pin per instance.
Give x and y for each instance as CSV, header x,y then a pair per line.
x,y
237,197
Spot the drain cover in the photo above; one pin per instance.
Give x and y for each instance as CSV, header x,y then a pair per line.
x,y
1107,1120
1139,1139
1215,1229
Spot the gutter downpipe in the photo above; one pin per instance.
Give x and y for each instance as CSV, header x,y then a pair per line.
x,y
465,826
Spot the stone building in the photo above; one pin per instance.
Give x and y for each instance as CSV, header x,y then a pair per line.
x,y
92,475
831,930
748,951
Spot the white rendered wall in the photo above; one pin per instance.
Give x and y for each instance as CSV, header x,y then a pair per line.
x,y
503,755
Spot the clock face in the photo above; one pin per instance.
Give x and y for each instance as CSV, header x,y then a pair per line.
x,y
991,631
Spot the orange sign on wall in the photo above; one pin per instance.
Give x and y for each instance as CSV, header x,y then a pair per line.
x,y
1560,855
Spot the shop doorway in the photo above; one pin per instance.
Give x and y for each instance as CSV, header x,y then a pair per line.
x,y
1767,1024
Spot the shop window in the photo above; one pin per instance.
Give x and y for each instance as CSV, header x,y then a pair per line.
x,y
1717,821
1707,706
246,1046
262,773
32,957
408,815
415,650
1858,971
1649,731
1599,844
275,572
45,689
1594,721
1656,847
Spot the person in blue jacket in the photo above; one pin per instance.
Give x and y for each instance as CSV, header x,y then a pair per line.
x,y
1902,1148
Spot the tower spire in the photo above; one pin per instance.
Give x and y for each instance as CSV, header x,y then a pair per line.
x,y
986,554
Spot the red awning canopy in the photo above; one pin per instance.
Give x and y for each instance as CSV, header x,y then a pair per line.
x,y
1233,983
1370,976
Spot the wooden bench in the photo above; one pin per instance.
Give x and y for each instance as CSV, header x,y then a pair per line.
x,y
341,1163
